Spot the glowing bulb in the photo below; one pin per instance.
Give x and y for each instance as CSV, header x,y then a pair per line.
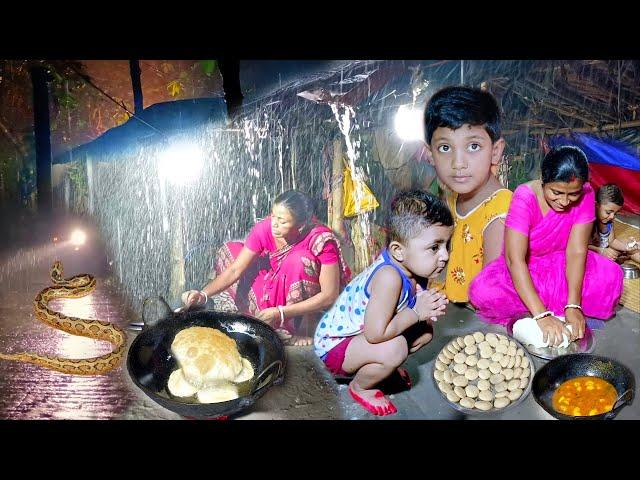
x,y
181,164
408,123
78,237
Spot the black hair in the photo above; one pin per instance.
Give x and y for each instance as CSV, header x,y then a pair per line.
x,y
299,204
610,192
452,107
413,211
564,164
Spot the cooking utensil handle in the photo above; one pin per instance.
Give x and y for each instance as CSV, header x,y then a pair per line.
x,y
625,398
256,385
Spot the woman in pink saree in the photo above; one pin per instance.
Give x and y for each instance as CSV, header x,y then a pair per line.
x,y
288,270
545,269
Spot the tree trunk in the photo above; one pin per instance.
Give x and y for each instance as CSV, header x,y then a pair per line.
x,y
42,131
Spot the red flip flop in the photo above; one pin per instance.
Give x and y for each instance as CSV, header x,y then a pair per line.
x,y
389,409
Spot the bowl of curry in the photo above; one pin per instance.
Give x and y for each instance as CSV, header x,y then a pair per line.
x,y
583,387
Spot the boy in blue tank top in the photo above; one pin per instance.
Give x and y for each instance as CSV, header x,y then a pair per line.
x,y
365,332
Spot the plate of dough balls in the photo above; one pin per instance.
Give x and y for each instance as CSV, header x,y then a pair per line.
x,y
483,372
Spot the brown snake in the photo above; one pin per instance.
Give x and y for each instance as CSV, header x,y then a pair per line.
x,y
74,287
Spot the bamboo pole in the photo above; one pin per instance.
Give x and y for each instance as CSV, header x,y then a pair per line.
x,y
552,130
337,191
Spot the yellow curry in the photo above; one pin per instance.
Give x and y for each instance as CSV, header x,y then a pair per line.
x,y
584,397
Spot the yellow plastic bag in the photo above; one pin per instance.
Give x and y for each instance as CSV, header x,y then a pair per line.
x,y
352,207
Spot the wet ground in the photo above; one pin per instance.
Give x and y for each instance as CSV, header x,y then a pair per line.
x,y
308,392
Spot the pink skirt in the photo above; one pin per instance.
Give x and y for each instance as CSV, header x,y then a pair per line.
x,y
493,295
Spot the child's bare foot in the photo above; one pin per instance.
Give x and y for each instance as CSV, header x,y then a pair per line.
x,y
373,401
398,381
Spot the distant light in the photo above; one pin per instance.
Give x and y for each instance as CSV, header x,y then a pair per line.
x,y
181,164
408,123
78,237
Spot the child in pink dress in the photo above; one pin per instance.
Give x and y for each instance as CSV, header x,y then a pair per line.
x,y
545,269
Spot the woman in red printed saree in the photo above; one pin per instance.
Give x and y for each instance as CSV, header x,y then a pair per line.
x,y
288,270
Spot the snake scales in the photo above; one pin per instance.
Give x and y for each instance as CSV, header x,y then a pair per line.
x,y
74,287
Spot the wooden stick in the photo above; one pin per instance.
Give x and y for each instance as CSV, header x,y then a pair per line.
x,y
552,130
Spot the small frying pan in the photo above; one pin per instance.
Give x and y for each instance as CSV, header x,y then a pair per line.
x,y
554,373
150,361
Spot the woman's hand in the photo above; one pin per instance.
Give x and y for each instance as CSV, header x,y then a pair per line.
x,y
552,330
193,297
610,253
430,304
269,315
575,318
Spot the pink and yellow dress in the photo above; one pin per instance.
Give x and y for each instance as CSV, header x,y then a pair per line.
x,y
492,291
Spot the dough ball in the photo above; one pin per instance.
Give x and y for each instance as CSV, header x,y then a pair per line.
x,y
495,368
482,405
501,348
501,402
452,397
500,387
485,395
471,374
438,375
508,374
469,340
484,374
446,353
524,382
496,357
515,394
486,352
502,393
496,379
460,342
460,368
504,361
470,349
453,348
444,359
460,381
484,385
512,361
512,350
471,391
448,376
513,384
471,360
483,364
459,391
460,357
478,337
440,366
467,402
492,339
